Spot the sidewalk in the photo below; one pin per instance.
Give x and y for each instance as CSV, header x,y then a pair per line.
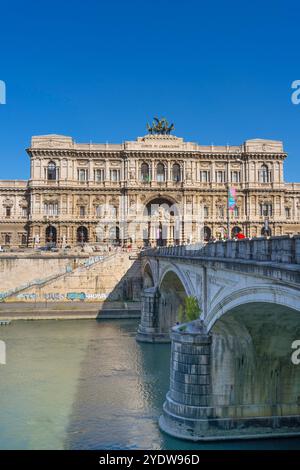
x,y
68,310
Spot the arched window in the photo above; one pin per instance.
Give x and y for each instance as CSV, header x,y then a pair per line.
x,y
160,172
206,233
51,171
51,234
176,173
145,173
264,174
82,234
114,234
235,231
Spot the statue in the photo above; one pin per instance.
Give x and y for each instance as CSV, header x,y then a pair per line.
x,y
160,126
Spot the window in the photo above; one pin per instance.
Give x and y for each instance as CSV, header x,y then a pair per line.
x,y
264,175
176,173
205,212
99,175
236,211
24,211
82,174
8,211
206,233
287,212
82,211
205,176
160,173
115,175
51,208
266,210
220,176
7,239
82,235
23,239
51,171
145,173
99,211
221,211
235,176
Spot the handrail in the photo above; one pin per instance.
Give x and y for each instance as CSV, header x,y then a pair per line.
x,y
281,249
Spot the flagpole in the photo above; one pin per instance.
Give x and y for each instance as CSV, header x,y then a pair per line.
x,y
228,215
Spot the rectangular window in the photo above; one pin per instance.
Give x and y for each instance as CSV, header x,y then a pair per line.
x,y
205,176
24,211
8,211
221,212
99,211
82,211
99,175
7,239
235,176
115,175
51,209
205,212
82,174
23,239
236,211
288,212
220,176
265,210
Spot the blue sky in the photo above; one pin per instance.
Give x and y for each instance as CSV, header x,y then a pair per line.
x,y
98,71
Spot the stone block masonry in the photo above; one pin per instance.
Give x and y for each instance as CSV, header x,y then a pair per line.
x,y
61,281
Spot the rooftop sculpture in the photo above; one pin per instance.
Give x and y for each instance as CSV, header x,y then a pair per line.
x,y
160,126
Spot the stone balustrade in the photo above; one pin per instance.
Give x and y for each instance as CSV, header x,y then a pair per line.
x,y
283,249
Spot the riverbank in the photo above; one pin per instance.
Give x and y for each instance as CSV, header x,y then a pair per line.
x,y
69,310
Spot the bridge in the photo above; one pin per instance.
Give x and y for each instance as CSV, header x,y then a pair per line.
x,y
232,374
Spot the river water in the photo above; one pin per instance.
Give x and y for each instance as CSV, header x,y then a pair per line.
x,y
89,385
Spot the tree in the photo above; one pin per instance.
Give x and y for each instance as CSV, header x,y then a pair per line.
x,y
189,310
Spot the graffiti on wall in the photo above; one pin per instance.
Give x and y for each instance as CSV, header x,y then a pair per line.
x,y
57,296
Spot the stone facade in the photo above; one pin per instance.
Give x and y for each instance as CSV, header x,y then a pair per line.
x,y
85,192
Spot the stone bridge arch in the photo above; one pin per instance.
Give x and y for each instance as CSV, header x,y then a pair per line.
x,y
161,302
148,278
251,364
265,293
173,289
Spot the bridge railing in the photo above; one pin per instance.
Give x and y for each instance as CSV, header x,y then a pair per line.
x,y
282,249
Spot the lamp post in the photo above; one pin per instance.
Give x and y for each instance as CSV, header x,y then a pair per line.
x,y
228,212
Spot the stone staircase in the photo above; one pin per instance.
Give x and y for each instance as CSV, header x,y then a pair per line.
x,y
115,277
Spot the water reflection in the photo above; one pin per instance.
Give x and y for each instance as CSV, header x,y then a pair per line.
x,y
88,385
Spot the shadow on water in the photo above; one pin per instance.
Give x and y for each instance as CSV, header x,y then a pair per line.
x,y
120,392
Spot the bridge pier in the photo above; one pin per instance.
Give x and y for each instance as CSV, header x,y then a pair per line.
x,y
187,406
149,330
194,409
